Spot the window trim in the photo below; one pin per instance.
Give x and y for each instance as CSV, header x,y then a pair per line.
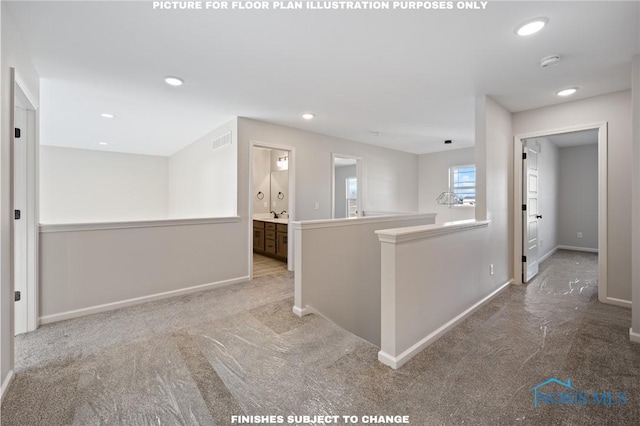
x,y
452,188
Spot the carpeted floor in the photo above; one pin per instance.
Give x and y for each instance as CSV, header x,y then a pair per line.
x,y
203,358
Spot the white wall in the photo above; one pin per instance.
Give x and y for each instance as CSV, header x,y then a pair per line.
x,y
202,180
13,54
434,179
85,271
616,110
578,206
341,175
79,186
261,180
549,187
338,270
635,329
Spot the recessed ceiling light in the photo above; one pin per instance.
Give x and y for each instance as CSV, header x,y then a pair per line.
x,y
103,143
107,115
567,92
308,116
531,27
174,81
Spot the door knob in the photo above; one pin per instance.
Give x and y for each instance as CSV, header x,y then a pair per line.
x,y
538,216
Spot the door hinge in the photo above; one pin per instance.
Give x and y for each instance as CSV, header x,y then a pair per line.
x,y
524,155
16,296
524,207
17,133
16,214
524,258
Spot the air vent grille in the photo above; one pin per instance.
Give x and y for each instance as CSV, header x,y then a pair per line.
x,y
221,141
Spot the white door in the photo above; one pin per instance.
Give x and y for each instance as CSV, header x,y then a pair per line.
x,y
530,210
20,218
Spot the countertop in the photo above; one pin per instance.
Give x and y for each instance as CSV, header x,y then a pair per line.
x,y
272,220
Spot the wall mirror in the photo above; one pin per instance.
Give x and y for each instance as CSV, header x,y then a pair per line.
x,y
346,186
270,182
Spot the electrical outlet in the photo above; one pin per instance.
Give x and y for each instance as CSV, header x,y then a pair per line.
x,y
579,234
491,269
317,205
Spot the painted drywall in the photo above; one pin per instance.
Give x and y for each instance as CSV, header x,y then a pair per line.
x,y
261,180
338,270
202,180
578,195
14,54
549,188
341,175
434,179
635,329
615,109
113,266
85,186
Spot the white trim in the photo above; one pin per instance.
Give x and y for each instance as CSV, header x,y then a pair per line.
x,y
5,385
575,248
333,223
617,302
48,319
412,233
602,201
633,336
302,312
400,360
548,255
291,211
74,227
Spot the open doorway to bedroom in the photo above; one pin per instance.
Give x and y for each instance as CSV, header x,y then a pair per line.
x,y
560,187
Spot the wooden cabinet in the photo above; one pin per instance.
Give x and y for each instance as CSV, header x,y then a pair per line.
x,y
270,239
258,235
282,243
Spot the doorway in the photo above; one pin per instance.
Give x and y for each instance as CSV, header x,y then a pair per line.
x,y
346,186
271,208
527,211
24,238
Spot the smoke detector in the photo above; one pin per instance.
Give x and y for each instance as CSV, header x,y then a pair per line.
x,y
549,60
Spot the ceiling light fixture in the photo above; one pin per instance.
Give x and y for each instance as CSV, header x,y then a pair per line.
x,y
567,92
307,116
174,81
107,115
531,27
103,143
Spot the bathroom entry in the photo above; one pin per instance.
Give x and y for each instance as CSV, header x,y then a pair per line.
x,y
270,210
346,186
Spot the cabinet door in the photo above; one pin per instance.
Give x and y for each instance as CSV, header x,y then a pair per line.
x,y
258,239
283,244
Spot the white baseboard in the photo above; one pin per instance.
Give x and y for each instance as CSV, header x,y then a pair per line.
x,y
48,319
548,255
302,311
5,385
617,302
574,248
633,336
404,357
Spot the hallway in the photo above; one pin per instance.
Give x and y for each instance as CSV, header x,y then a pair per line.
x,y
201,358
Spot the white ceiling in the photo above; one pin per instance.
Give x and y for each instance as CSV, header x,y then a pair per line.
x,y
410,75
583,137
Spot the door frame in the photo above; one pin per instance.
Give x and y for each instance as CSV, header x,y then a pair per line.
x,y
291,204
21,92
601,127
335,155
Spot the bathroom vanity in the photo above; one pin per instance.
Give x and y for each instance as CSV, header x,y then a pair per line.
x,y
270,237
